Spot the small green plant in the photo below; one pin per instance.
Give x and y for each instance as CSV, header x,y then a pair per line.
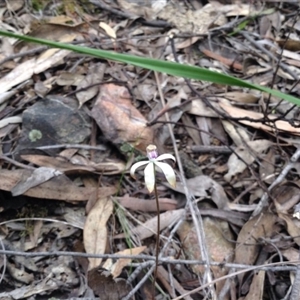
x,y
38,5
152,165
31,211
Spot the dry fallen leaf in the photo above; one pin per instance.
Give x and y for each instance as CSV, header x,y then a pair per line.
x,y
247,247
20,274
117,267
119,120
241,97
95,232
257,286
293,227
76,164
10,120
267,167
278,125
203,186
220,249
238,134
90,90
149,227
106,287
137,204
248,153
38,176
58,188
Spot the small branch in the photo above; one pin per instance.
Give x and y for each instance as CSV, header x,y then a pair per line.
x,y
140,283
166,260
210,149
295,294
72,146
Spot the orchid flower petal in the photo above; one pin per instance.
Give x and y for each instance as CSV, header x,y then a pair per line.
x,y
149,176
168,172
136,166
166,156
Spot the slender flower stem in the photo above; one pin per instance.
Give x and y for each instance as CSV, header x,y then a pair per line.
x,y
157,237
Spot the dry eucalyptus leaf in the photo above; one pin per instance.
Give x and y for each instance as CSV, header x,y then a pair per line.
x,y
293,227
109,31
119,120
196,21
15,5
267,167
198,108
107,288
38,176
149,227
117,267
204,187
247,248
291,254
68,78
58,188
95,232
10,120
95,75
26,291
137,204
280,125
75,216
237,134
76,164
248,153
220,249
285,196
19,274
241,97
257,286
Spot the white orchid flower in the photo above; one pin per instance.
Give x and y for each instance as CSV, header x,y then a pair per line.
x,y
154,164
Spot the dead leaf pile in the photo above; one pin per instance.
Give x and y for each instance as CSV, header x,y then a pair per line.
x,y
71,127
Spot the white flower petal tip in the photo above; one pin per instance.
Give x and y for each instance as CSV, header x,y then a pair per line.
x,y
168,172
149,176
136,166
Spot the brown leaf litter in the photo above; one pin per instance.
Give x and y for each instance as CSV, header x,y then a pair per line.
x,y
71,126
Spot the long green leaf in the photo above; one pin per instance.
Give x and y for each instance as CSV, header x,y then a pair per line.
x,y
170,68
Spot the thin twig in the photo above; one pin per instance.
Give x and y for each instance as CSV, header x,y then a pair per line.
x,y
23,54
139,268
190,199
72,146
295,294
166,260
139,284
210,149
4,261
295,262
16,163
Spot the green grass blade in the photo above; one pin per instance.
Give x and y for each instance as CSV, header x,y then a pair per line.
x,y
170,68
